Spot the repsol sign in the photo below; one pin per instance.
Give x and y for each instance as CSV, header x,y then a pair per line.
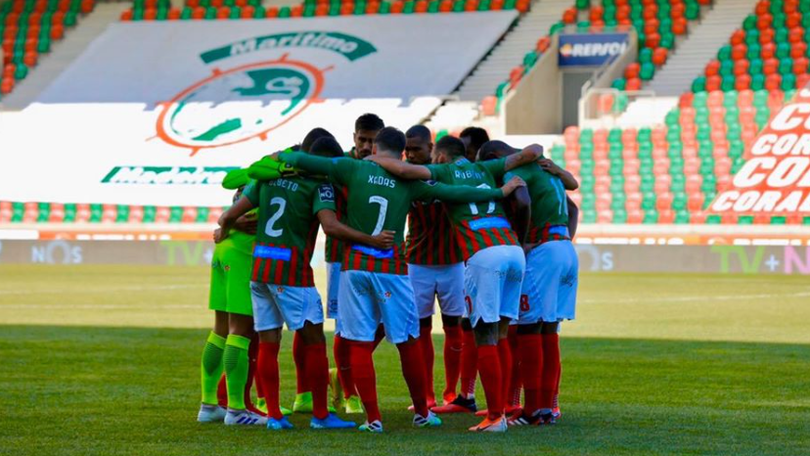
x,y
590,49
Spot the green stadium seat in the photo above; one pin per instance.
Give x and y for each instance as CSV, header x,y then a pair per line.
x,y
70,213
202,214
122,214
149,214
44,212
175,214
96,213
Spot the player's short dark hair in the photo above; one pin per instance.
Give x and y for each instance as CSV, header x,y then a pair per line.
x,y
478,136
390,139
326,146
484,155
451,146
490,150
314,135
418,131
369,122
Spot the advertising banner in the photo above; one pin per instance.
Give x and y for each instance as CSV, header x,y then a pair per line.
x,y
590,49
155,113
723,259
775,179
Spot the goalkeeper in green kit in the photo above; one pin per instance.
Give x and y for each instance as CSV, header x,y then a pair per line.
x,y
228,343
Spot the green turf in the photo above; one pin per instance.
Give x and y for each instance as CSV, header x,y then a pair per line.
x,y
105,360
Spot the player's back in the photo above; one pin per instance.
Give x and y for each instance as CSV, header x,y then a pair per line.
x,y
376,201
549,209
287,228
478,225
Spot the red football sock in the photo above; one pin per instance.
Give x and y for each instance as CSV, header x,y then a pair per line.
x,y
557,391
505,356
256,381
364,377
489,366
531,365
413,369
222,392
344,366
469,364
428,357
453,343
379,336
551,370
317,368
299,357
516,385
267,370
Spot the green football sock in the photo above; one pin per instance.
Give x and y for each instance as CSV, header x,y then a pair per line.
x,y
211,367
236,370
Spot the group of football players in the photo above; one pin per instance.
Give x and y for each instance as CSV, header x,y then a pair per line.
x,y
489,231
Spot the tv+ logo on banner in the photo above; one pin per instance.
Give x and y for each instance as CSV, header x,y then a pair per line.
x,y
591,49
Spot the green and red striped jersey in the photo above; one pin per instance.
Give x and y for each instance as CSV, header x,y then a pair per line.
x,y
333,250
288,227
430,235
481,225
549,220
379,201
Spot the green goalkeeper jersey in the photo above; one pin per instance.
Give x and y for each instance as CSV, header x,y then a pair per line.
x,y
379,201
481,225
240,241
287,228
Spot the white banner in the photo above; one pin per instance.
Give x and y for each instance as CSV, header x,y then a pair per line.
x,y
154,113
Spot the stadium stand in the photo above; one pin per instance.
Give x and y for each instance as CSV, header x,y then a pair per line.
x,y
669,174
104,213
29,28
657,22
149,10
705,37
664,174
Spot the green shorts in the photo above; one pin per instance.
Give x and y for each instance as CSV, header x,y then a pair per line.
x,y
230,279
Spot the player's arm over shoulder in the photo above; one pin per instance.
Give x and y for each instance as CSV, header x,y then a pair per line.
x,y
432,190
568,179
324,207
228,218
335,169
401,169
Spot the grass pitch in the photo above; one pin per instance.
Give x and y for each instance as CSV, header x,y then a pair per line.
x,y
105,360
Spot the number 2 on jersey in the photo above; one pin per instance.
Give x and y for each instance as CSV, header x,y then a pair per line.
x,y
269,228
